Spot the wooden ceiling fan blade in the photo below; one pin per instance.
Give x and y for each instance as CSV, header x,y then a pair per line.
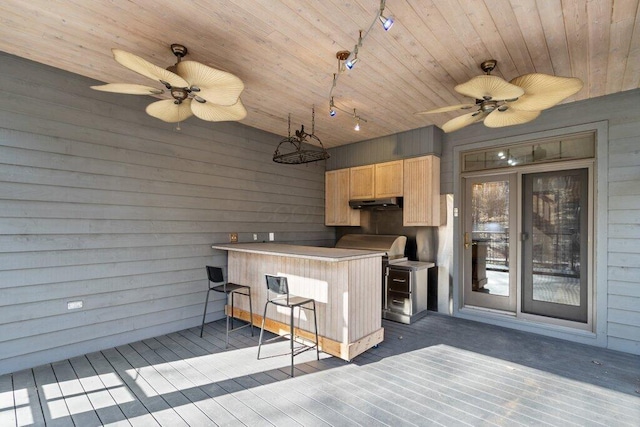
x,y
497,118
168,111
448,109
216,86
147,69
462,121
542,91
128,88
218,113
489,87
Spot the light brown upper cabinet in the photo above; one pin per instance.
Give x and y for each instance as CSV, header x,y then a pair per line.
x,y
336,207
422,192
388,179
377,180
362,184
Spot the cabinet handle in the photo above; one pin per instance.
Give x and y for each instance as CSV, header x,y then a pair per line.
x,y
395,301
399,280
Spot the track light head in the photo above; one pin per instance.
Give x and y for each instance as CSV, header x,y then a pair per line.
x,y
332,112
387,22
357,126
352,59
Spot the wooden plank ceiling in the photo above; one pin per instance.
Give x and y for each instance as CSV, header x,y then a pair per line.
x,y
285,50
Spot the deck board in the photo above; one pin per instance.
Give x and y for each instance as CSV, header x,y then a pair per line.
x,y
132,408
7,405
437,371
55,412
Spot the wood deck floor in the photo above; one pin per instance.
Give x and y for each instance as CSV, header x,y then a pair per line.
x,y
439,371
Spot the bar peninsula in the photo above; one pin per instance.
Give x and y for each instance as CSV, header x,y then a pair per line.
x,y
346,284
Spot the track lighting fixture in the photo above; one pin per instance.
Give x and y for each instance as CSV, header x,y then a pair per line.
x,y
387,22
358,120
353,58
347,59
342,56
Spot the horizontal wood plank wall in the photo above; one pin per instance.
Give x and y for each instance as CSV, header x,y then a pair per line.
x,y
413,143
622,203
106,205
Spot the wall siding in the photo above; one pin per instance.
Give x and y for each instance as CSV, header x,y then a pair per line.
x,y
413,143
104,204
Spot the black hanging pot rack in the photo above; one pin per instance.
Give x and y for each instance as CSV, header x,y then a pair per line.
x,y
301,148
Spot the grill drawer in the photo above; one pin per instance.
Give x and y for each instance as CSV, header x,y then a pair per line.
x,y
399,302
399,280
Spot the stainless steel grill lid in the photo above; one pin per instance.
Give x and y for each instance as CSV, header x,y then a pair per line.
x,y
392,245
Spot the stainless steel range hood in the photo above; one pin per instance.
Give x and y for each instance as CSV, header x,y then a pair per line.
x,y
383,203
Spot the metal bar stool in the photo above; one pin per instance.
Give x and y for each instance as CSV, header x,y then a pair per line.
x,y
278,294
215,276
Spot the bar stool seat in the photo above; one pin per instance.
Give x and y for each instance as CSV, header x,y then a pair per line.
x,y
278,294
215,276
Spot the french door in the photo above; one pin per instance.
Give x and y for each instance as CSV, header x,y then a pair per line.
x,y
554,244
489,233
525,243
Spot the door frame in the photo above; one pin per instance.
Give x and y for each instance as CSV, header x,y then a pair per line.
x,y
508,136
518,172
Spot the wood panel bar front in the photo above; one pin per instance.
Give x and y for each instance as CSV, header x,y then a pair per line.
x,y
346,284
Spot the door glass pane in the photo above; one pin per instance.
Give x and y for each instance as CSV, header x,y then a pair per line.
x,y
556,238
490,237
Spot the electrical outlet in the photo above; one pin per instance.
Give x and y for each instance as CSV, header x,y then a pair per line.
x,y
272,237
255,236
233,237
74,305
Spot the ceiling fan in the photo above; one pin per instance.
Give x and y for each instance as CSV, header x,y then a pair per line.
x,y
500,103
209,94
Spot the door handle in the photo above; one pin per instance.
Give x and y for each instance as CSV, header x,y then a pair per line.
x,y
524,236
467,240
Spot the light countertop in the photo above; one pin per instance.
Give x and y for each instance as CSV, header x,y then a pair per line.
x,y
296,251
412,265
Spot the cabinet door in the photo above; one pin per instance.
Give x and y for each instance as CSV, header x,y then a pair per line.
x,y
421,191
337,210
388,179
362,185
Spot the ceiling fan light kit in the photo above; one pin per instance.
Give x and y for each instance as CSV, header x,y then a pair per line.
x,y
499,103
216,93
